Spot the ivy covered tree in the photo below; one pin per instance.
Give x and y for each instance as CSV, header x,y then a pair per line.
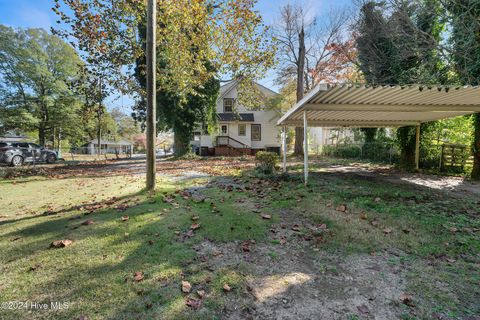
x,y
182,114
401,48
465,38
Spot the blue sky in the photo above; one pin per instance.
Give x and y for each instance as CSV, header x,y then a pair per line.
x,y
38,14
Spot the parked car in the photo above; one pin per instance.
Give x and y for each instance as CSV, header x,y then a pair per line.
x,y
18,153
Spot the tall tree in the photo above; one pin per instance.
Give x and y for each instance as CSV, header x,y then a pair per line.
x,y
177,113
36,69
401,48
227,35
306,47
465,37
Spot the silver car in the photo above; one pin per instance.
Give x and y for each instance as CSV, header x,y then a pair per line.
x,y
18,153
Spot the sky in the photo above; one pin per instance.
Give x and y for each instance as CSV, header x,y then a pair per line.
x,y
38,14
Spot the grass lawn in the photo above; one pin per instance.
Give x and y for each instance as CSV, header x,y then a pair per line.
x,y
344,247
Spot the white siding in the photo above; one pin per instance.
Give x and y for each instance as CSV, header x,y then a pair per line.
x,y
267,119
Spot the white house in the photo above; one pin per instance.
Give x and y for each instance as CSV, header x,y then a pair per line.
x,y
120,147
241,130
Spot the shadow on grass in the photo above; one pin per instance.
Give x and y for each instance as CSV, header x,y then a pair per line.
x,y
95,273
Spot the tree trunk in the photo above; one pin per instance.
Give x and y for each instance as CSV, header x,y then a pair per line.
x,y
476,147
181,147
300,88
41,136
406,138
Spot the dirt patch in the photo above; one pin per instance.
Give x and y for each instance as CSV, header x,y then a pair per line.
x,y
292,279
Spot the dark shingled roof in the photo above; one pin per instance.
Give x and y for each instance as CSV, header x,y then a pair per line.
x,y
246,117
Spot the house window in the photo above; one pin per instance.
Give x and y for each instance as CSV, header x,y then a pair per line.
x,y
242,130
256,132
196,136
228,105
224,129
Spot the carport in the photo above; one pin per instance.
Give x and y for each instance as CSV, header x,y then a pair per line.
x,y
377,107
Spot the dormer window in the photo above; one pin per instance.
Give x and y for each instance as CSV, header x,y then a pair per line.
x,y
227,105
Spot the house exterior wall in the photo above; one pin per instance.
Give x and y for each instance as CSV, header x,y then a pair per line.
x,y
270,133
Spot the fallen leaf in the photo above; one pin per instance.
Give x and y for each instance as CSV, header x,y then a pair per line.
x,y
186,287
407,299
195,218
226,287
125,218
342,208
266,216
295,227
195,226
88,222
377,199
374,223
138,276
363,309
195,304
387,230
363,216
246,246
201,293
61,243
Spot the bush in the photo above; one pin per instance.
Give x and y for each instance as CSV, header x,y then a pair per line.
x,y
266,161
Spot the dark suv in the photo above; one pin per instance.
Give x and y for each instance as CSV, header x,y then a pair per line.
x,y
17,153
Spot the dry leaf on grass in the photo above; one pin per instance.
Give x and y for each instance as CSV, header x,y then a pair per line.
x,y
186,287
61,243
138,276
226,287
88,222
125,218
295,227
195,304
195,226
387,230
266,216
195,218
342,208
407,300
201,294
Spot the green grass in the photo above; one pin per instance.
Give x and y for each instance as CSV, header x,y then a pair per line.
x,y
422,223
95,274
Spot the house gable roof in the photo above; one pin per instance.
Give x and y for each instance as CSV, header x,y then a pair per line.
x,y
230,117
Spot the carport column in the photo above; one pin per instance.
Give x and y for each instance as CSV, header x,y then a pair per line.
x,y
305,147
417,147
284,145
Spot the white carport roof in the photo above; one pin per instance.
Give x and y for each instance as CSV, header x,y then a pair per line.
x,y
381,106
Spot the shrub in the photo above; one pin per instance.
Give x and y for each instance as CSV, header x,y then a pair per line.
x,y
266,161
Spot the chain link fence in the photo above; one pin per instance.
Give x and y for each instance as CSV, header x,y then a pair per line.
x,y
442,157
377,151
